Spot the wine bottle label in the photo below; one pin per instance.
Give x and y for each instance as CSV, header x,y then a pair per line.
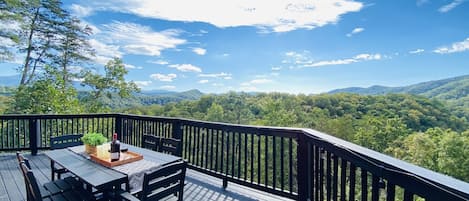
x,y
115,155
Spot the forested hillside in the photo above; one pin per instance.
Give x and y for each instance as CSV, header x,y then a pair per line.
x,y
114,101
453,91
414,128
146,98
445,89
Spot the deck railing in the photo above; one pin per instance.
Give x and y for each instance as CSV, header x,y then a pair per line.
x,y
301,164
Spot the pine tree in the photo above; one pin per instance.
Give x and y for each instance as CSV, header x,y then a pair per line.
x,y
8,34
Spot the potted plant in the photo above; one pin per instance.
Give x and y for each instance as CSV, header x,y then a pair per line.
x,y
91,140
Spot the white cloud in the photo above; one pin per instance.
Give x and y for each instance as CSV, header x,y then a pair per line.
x,y
256,82
143,83
75,69
276,68
168,87
291,54
421,2
104,49
366,57
101,59
199,51
450,6
16,60
218,84
417,51
6,42
260,81
159,62
74,79
138,39
293,57
225,54
223,75
261,76
275,74
104,52
186,68
248,88
203,81
81,11
356,31
130,66
277,16
94,28
163,77
455,47
355,59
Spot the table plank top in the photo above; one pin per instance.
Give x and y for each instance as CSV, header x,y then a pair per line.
x,y
97,175
92,173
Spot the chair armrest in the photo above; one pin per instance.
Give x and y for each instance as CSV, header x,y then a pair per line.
x,y
128,197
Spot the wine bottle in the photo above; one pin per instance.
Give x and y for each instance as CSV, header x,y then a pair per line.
x,y
115,148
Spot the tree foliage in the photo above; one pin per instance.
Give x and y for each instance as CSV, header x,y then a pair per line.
x,y
53,41
50,94
46,34
413,128
8,34
101,86
377,133
442,150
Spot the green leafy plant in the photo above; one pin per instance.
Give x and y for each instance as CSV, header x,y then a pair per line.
x,y
93,139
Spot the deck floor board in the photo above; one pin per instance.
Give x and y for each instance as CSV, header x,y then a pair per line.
x,y
14,189
198,186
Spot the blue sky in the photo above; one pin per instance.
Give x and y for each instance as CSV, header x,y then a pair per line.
x,y
299,46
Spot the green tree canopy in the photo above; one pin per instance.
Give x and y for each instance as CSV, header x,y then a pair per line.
x,y
103,86
50,94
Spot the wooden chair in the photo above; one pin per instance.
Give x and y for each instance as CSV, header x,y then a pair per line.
x,y
163,182
170,146
151,142
61,142
53,186
35,194
21,158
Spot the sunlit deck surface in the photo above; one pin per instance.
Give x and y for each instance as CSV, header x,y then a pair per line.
x,y
198,186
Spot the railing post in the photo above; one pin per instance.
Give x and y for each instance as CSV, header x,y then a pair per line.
x,y
177,134
304,168
33,135
225,183
118,127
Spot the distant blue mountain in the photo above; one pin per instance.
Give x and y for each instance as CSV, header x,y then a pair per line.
x,y
10,80
455,88
157,92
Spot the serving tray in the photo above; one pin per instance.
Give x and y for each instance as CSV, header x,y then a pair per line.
x,y
125,157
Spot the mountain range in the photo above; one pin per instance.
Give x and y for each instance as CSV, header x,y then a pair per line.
x,y
454,88
10,80
452,91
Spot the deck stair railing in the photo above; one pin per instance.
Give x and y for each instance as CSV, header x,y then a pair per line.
x,y
301,164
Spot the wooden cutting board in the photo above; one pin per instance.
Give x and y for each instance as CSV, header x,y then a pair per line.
x,y
125,157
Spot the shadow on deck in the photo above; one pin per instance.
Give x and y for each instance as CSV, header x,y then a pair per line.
x,y
198,186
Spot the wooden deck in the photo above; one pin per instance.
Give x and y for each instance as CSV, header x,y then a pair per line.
x,y
198,186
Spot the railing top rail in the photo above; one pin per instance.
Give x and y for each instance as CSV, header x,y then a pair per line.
x,y
147,117
425,175
226,126
55,116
